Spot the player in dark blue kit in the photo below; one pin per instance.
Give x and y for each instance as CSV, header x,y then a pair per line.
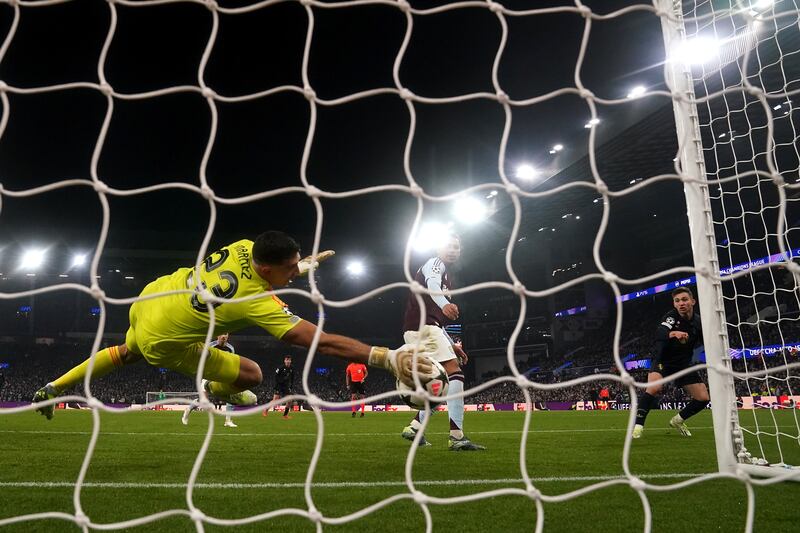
x,y
676,337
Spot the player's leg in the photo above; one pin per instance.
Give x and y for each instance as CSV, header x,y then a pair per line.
x,y
647,401
353,397
362,396
275,397
105,361
697,390
229,423
226,375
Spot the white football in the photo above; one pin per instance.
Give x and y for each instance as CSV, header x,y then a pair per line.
x,y
436,386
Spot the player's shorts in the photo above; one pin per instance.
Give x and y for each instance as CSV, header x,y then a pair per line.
x,y
667,369
444,351
282,390
357,387
145,337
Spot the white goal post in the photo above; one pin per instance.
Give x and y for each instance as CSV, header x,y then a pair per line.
x,y
700,107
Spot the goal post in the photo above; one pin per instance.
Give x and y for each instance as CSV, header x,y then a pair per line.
x,y
719,110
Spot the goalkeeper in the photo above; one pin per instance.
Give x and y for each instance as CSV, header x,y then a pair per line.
x,y
169,331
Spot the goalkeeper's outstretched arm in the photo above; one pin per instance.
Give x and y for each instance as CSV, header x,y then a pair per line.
x,y
398,362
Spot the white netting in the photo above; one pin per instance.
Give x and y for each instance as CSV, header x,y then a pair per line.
x,y
497,96
752,134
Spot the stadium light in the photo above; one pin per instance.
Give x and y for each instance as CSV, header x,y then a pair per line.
x,y
593,122
355,268
526,172
637,91
696,51
32,259
430,236
558,147
470,210
78,260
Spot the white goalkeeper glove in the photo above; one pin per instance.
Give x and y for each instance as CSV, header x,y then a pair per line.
x,y
304,265
399,362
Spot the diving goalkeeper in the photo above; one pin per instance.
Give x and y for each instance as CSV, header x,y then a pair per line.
x,y
169,331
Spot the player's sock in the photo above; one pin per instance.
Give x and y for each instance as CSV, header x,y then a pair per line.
x,y
646,402
105,361
691,409
286,410
416,424
455,407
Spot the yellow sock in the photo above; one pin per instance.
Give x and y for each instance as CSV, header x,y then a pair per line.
x,y
105,361
222,390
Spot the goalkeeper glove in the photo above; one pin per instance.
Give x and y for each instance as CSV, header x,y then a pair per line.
x,y
304,265
399,362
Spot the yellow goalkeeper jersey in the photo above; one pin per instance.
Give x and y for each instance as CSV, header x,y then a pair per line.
x,y
227,273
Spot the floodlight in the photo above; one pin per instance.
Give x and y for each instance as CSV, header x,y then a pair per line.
x,y
526,172
696,51
78,260
355,268
637,91
32,259
470,210
430,236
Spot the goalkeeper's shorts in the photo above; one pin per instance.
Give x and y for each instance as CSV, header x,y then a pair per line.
x,y
444,348
161,349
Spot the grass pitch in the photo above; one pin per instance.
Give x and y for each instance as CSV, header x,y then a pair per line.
x,y
143,459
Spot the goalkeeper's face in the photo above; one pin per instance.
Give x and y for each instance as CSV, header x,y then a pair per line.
x,y
280,274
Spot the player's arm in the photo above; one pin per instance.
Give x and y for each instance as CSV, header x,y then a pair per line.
x,y
398,362
347,377
433,271
366,373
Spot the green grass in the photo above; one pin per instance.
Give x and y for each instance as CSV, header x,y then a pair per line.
x,y
145,450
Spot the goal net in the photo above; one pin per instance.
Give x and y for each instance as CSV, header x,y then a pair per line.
x,y
738,158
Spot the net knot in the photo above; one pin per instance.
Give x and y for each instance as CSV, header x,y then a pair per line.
x,y
512,189
314,515
627,379
522,381
313,192
197,515
636,484
503,98
309,93
416,191
207,192
585,11
755,91
702,271
420,498
405,94
313,400
417,288
495,7
206,405
317,297
94,403
100,187
106,89
404,6
81,519
519,288
586,94
12,3
3,86
777,179
212,5
610,277
534,493
208,92
602,188
97,292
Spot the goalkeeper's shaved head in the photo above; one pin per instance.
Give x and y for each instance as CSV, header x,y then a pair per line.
x,y
274,248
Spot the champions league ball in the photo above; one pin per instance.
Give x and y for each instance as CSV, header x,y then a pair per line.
x,y
436,386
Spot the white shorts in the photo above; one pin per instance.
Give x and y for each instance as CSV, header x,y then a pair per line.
x,y
444,350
